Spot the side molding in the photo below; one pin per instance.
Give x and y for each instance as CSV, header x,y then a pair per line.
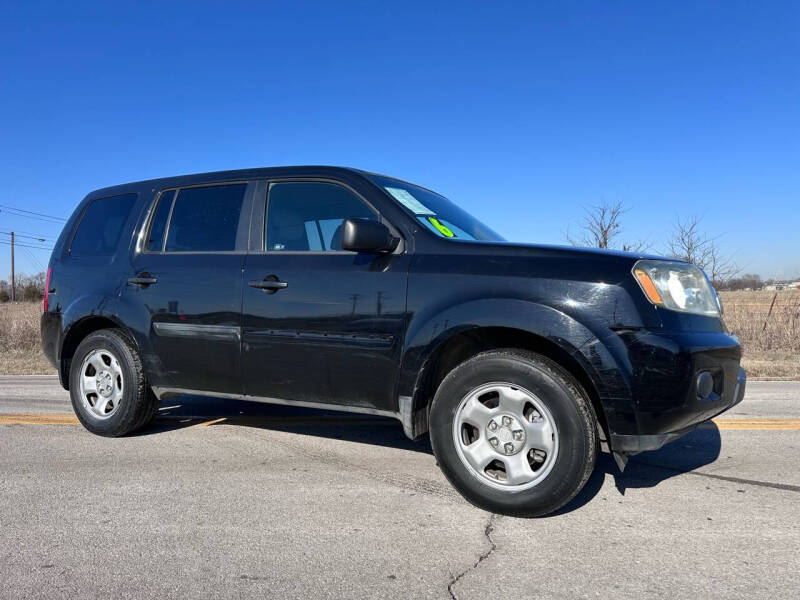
x,y
191,330
167,392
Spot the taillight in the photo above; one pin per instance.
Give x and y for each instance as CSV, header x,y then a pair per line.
x,y
46,290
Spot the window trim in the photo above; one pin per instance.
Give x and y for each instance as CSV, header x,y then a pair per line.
x,y
79,220
243,213
267,183
151,215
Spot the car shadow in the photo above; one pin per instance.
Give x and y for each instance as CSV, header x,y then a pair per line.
x,y
188,411
648,469
692,451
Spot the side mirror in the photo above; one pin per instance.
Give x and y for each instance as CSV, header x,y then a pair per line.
x,y
365,235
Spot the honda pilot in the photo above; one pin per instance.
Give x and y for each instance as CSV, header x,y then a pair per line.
x,y
336,288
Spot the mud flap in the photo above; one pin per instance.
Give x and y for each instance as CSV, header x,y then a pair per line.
x,y
621,460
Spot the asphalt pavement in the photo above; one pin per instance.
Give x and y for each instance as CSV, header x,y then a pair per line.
x,y
221,498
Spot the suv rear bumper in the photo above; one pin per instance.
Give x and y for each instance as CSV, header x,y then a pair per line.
x,y
677,381
50,326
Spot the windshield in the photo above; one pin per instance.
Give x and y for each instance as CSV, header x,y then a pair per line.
x,y
436,212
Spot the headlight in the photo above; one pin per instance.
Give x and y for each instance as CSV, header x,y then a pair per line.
x,y
677,286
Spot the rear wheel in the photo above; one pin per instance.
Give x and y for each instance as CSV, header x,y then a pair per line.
x,y
108,389
513,432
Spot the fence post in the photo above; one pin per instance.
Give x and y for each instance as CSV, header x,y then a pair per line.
x,y
775,297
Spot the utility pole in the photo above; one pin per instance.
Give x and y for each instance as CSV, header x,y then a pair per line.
x,y
13,282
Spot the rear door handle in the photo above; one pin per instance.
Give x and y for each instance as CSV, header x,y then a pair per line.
x,y
269,284
142,281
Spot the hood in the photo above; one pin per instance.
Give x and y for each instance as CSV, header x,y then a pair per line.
x,y
553,250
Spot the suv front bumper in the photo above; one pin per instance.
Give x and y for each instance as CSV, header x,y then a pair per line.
x,y
677,381
633,444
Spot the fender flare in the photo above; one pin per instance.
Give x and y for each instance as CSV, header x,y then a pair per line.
x,y
88,307
602,357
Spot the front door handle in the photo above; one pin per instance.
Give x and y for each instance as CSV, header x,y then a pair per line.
x,y
143,280
269,284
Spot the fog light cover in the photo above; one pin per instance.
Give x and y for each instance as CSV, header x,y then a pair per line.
x,y
705,385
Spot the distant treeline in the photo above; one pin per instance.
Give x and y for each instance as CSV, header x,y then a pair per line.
x,y
748,281
28,287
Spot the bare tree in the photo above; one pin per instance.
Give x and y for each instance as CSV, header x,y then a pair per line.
x,y
600,228
38,280
721,268
28,287
687,242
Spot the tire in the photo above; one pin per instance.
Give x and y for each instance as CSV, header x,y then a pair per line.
x,y
149,414
108,389
507,409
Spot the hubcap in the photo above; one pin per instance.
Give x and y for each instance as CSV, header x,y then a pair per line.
x,y
505,436
101,384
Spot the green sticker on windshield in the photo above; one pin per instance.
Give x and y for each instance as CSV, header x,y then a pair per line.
x,y
441,228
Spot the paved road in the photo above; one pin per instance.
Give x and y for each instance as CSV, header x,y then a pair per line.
x,y
289,503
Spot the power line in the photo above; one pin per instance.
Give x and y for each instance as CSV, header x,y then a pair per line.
x,y
31,259
13,214
36,233
30,212
22,231
21,212
35,261
26,245
40,238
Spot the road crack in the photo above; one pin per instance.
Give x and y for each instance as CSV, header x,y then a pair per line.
x,y
487,532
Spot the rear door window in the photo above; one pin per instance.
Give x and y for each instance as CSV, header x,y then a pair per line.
x,y
205,219
101,225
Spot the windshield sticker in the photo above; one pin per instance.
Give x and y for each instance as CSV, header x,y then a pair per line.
x,y
409,201
441,228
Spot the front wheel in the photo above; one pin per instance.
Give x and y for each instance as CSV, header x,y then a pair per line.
x,y
107,385
513,432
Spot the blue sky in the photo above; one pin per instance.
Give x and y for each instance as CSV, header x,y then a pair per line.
x,y
521,112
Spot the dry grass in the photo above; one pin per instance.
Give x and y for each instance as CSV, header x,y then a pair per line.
x,y
771,341
20,350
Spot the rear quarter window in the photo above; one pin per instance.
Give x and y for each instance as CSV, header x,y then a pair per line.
x,y
101,225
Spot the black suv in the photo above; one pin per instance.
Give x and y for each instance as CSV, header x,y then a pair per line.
x,y
336,288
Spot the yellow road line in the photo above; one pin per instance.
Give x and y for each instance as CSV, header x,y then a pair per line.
x,y
786,420
40,419
757,426
213,422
